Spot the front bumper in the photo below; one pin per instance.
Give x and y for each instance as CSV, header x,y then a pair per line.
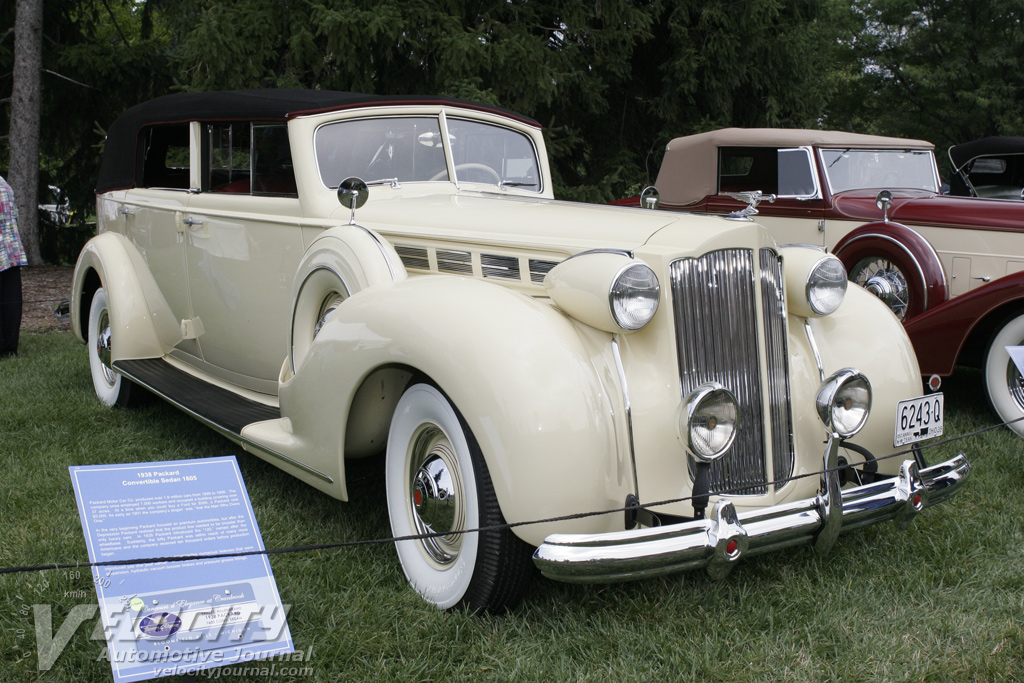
x,y
718,542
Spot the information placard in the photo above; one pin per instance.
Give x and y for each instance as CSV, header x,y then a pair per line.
x,y
175,617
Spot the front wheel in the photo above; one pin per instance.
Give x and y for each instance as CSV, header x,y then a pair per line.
x,y
110,387
1002,378
437,482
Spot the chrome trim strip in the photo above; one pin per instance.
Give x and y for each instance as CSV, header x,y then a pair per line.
x,y
718,542
448,152
776,330
383,251
814,350
629,410
623,252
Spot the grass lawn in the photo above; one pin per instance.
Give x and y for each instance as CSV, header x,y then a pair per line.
x,y
942,601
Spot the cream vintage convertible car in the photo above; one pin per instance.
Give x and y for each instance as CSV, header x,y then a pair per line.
x,y
325,276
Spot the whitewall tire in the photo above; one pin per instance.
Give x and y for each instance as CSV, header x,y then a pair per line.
x,y
437,481
110,387
1002,378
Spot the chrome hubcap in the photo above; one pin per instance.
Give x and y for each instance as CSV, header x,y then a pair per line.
x,y
1015,384
886,281
103,347
436,495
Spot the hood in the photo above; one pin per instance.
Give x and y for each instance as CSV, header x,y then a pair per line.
x,y
520,222
915,207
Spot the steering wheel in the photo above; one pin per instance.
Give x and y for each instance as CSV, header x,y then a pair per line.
x,y
470,167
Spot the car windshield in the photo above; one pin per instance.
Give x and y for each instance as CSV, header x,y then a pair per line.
x,y
409,149
859,169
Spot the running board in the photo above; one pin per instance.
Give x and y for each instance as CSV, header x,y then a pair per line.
x,y
219,408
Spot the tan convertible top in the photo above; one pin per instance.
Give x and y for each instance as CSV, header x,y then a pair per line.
x,y
690,169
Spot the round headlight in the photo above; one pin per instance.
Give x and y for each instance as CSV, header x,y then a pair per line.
x,y
844,402
634,296
709,418
826,285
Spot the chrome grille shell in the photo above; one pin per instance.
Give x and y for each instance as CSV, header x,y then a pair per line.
x,y
717,307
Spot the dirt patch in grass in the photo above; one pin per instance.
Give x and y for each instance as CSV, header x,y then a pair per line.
x,y
42,289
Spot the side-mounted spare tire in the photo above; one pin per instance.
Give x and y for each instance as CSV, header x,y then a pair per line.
x,y
896,264
340,262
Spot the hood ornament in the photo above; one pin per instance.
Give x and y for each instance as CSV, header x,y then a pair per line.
x,y
751,199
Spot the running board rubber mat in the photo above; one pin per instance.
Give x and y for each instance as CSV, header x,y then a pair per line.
x,y
214,405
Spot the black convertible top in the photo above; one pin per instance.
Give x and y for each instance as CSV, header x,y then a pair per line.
x,y
117,167
994,146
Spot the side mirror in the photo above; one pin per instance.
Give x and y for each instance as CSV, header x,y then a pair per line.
x,y
353,193
650,198
883,201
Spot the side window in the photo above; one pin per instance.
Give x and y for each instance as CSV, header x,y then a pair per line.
x,y
745,169
227,158
782,172
272,170
796,174
165,156
248,158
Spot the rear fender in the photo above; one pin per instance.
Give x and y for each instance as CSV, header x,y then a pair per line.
x,y
944,336
524,377
141,321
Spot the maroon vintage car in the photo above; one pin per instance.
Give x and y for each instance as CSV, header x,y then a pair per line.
x,y
952,268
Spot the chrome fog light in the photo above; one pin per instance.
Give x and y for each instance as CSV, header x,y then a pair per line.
x,y
844,402
708,421
634,296
826,285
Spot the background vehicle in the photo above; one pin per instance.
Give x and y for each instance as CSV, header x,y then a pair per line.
x,y
990,167
951,268
512,358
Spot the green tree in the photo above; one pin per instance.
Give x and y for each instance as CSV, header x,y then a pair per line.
x,y
99,57
941,70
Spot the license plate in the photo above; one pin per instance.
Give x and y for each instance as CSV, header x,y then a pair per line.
x,y
918,419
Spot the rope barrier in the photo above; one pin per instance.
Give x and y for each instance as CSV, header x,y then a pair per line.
x,y
493,527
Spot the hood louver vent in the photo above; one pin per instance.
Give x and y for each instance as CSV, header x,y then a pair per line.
x,y
460,262
413,257
504,267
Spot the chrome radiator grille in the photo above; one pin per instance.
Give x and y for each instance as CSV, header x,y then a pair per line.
x,y
718,339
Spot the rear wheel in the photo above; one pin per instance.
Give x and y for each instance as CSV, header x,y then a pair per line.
x,y
110,387
1002,378
437,482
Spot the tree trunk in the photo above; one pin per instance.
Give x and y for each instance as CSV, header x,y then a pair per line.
x,y
25,113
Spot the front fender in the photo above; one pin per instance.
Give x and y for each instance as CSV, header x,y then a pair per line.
x,y
942,334
141,321
518,370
